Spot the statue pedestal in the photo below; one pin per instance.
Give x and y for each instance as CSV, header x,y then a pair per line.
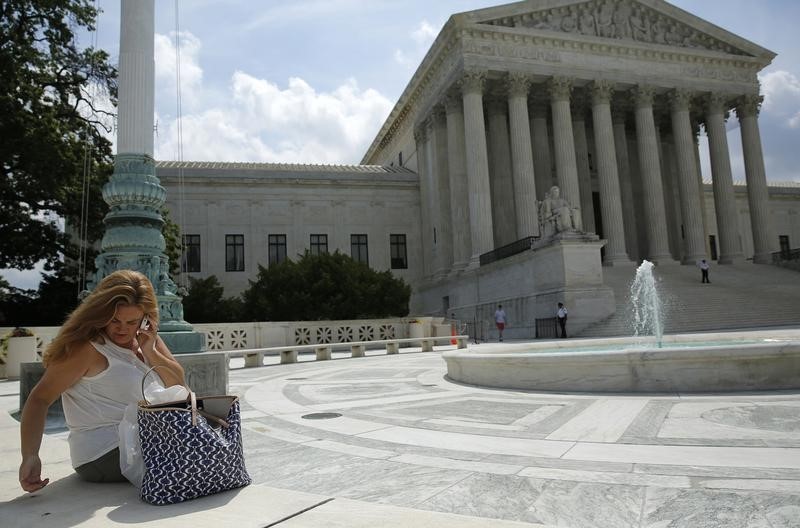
x,y
564,268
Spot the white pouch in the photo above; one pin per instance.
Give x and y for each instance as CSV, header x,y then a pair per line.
x,y
131,462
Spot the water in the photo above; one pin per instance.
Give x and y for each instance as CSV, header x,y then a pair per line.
x,y
646,304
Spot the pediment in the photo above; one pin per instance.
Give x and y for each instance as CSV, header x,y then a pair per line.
x,y
644,21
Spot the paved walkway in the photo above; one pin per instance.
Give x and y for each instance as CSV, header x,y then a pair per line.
x,y
408,438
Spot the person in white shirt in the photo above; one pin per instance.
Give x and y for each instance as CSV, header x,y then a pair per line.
x,y
96,364
704,271
561,313
500,320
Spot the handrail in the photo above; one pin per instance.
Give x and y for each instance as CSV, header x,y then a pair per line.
x,y
520,246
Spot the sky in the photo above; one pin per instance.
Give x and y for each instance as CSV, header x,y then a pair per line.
x,y
312,81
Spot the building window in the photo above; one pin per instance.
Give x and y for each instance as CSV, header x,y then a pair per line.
x,y
398,253
358,248
190,260
234,252
319,244
277,249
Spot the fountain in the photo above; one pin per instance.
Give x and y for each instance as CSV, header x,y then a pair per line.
x,y
708,362
646,304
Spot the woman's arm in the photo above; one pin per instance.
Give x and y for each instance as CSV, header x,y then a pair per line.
x,y
57,378
156,353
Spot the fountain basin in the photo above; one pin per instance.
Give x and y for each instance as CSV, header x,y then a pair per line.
x,y
720,362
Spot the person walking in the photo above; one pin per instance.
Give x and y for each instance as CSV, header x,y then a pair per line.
x,y
500,320
561,313
704,271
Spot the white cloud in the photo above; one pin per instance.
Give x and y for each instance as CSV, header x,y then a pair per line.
x,y
422,37
257,120
425,34
782,97
166,72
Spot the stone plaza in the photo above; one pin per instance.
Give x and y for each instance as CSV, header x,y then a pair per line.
x,y
411,448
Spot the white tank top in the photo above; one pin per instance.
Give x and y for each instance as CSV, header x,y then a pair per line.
x,y
93,407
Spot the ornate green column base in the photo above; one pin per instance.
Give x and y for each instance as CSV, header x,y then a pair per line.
x,y
184,342
133,240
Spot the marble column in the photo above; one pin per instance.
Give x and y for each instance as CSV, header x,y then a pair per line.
x,y
441,206
527,221
542,161
133,238
480,212
582,162
673,234
504,217
564,141
136,78
652,190
423,171
764,240
624,172
459,192
691,210
730,251
608,176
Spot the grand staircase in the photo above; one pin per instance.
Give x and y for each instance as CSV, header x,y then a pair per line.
x,y
744,296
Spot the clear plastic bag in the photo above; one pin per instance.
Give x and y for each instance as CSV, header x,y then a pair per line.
x,y
130,449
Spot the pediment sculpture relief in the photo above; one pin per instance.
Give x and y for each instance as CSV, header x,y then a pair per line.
x,y
618,19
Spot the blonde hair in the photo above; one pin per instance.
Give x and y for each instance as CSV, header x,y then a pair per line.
x,y
87,321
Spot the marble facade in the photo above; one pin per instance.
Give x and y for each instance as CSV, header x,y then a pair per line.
x,y
584,76
605,99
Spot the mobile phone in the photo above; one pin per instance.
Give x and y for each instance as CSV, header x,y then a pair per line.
x,y
145,324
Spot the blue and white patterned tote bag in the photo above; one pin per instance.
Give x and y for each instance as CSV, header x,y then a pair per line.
x,y
191,448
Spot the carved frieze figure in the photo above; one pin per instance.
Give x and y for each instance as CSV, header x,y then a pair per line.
x,y
673,35
586,22
660,31
570,21
551,21
605,20
640,25
622,21
558,215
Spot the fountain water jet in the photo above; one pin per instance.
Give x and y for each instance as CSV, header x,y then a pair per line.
x,y
646,304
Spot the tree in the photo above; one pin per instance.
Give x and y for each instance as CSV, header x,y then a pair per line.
x,y
327,286
51,128
205,303
172,238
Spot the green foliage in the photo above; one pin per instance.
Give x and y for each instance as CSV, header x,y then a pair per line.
x,y
324,287
48,117
172,237
205,303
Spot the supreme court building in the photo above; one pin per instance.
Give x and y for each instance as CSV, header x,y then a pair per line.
x,y
537,142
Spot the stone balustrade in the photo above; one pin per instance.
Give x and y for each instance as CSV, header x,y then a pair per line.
x,y
288,354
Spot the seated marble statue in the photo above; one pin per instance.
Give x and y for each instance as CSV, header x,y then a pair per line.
x,y
559,213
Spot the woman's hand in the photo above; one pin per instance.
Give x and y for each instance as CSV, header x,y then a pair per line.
x,y
146,339
30,474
